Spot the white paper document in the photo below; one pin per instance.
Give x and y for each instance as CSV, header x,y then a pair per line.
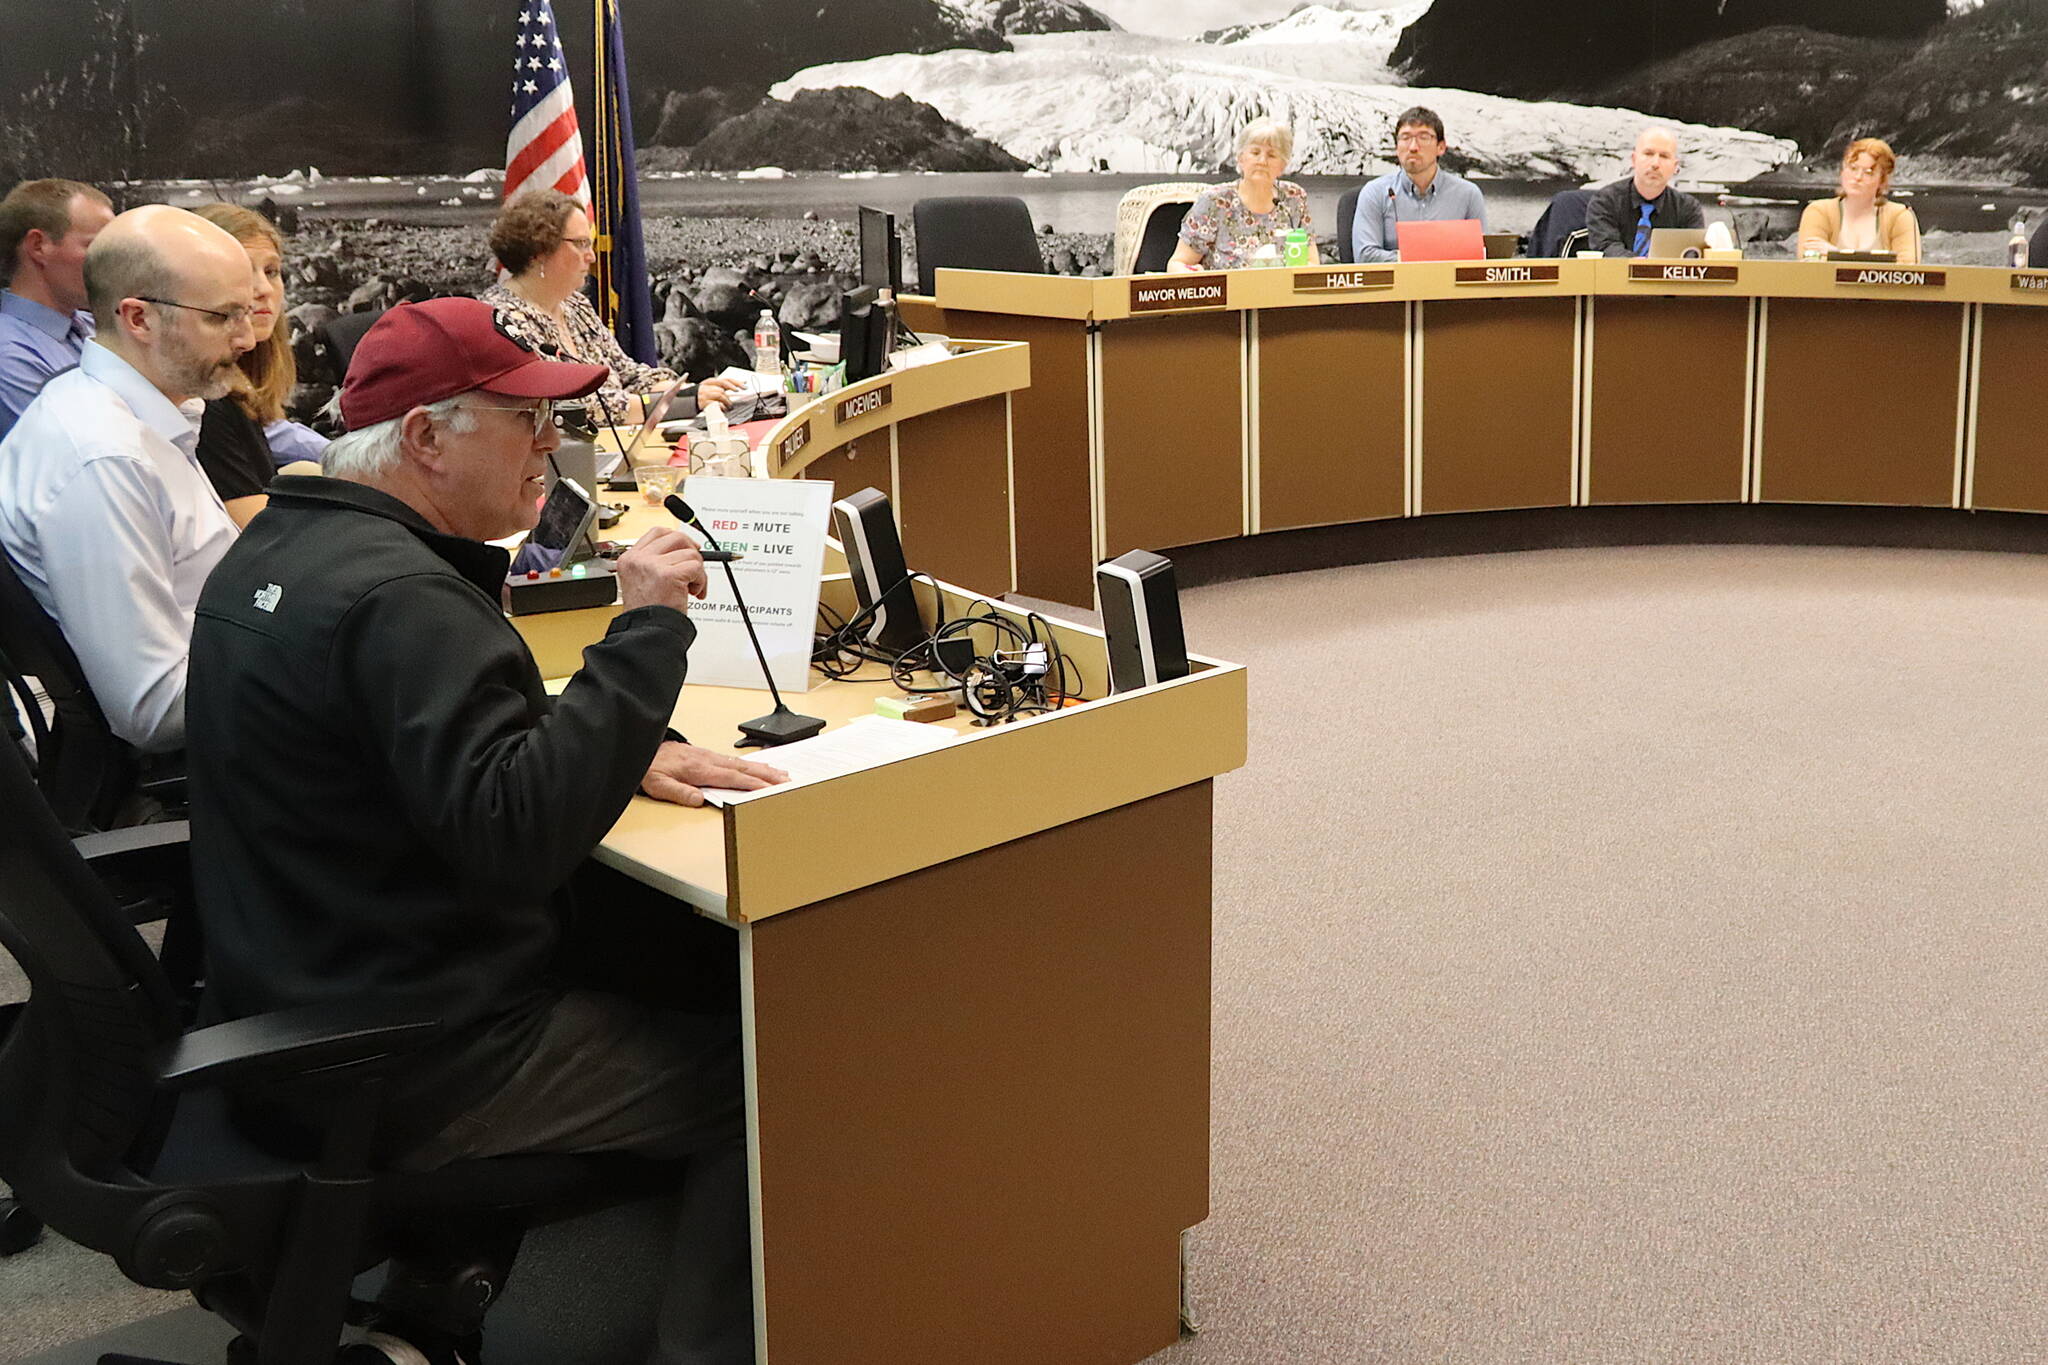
x,y
864,742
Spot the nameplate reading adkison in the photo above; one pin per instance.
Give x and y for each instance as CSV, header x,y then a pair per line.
x,y
1685,274
793,444
874,400
1341,281
1507,274
1891,277
1155,295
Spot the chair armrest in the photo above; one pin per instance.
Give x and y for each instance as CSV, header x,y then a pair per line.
x,y
133,840
288,1044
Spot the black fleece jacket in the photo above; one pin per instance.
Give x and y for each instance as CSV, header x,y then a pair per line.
x,y
385,802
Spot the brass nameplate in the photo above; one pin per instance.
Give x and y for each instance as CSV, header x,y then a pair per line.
x,y
1891,277
1341,281
1178,292
1685,274
793,444
874,400
1508,274
2030,283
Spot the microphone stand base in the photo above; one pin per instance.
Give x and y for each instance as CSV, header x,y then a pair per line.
x,y
780,726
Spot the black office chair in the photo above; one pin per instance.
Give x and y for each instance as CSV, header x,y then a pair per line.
x,y
92,779
2037,247
1561,231
115,1128
971,232
1347,212
1162,235
340,337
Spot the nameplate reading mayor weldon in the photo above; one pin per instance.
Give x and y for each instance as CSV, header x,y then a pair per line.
x,y
861,404
1341,281
1508,274
1155,295
1891,277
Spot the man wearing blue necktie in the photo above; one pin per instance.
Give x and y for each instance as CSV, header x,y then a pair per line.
x,y
1620,217
45,228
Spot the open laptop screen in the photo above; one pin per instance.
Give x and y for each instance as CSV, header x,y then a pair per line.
x,y
1461,239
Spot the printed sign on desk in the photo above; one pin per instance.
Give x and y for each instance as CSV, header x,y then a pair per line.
x,y
779,526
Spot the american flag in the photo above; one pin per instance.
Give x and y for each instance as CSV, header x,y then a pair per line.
x,y
546,147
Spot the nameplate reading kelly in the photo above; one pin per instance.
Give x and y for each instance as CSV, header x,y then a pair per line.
x,y
1184,291
2031,284
1685,274
1887,278
874,400
1341,281
793,444
1508,274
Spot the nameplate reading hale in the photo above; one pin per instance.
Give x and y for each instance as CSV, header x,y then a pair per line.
x,y
2031,284
860,405
1153,295
1341,281
1886,277
1685,274
1508,274
793,444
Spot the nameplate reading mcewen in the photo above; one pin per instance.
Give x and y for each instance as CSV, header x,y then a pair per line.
x,y
1685,274
1891,277
860,405
1176,292
793,444
1508,274
1341,281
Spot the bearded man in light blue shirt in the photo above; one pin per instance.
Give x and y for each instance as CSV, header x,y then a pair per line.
x,y
1420,192
46,227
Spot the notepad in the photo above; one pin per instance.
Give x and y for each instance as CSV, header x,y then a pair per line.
x,y
865,742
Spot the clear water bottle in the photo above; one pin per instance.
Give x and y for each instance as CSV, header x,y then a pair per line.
x,y
767,345
2016,245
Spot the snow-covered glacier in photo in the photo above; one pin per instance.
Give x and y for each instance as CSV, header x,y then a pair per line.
x,y
1140,103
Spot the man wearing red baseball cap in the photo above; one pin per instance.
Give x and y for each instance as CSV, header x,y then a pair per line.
x,y
388,807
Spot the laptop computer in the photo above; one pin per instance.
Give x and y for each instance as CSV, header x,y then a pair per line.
x,y
1502,246
1678,244
1460,239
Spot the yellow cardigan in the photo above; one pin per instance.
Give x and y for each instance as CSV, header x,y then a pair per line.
x,y
1897,228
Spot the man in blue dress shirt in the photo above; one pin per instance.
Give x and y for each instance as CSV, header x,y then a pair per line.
x,y
1420,192
45,228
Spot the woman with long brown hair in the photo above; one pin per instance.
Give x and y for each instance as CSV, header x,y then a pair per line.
x,y
233,449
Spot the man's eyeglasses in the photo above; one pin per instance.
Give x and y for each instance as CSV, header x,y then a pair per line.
x,y
540,416
234,319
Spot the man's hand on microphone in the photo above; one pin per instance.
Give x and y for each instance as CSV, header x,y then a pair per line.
x,y
680,770
664,568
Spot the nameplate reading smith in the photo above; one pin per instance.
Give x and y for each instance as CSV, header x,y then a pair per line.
x,y
1889,277
1153,295
1341,281
1685,274
1508,274
860,405
793,444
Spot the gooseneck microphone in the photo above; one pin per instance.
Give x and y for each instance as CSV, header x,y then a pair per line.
x,y
782,725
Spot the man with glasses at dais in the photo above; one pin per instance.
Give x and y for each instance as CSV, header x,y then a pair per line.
x,y
109,519
1421,191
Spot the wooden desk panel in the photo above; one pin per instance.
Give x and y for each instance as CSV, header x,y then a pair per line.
x,y
2012,455
1669,400
982,1125
1055,539
1333,414
953,471
1860,402
1172,431
1498,402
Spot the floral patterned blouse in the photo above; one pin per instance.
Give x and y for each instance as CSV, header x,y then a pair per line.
x,y
585,338
1227,233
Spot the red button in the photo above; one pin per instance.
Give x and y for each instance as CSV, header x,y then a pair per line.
x,y
532,574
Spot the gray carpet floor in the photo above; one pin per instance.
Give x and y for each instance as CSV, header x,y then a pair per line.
x,y
1621,956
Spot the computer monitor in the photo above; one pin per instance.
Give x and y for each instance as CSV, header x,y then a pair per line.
x,y
565,523
1677,244
1459,239
867,334
881,257
1141,620
866,527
